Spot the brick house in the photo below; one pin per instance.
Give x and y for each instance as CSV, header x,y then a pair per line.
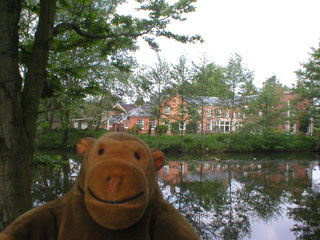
x,y
217,117
129,116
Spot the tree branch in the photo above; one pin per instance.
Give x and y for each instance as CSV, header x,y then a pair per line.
x,y
62,27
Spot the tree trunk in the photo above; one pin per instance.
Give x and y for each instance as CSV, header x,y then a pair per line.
x,y
66,128
318,145
202,122
18,110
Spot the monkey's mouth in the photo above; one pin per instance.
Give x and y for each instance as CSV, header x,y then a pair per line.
x,y
115,202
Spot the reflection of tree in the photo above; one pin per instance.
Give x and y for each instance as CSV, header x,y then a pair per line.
x,y
51,182
214,208
262,198
220,207
307,214
232,220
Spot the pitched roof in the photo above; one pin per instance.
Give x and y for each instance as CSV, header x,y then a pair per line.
x,y
128,107
139,112
211,101
115,119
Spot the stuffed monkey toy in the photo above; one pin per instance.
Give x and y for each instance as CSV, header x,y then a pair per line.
x,y
115,197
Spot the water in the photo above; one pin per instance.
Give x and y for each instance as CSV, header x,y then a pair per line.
x,y
237,197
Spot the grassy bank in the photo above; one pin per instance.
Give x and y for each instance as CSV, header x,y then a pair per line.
x,y
238,142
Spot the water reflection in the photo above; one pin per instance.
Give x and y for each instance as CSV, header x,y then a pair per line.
x,y
223,199
227,199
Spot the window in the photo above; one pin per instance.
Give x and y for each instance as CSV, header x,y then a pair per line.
x,y
208,112
227,127
126,125
227,114
198,127
208,127
167,123
182,125
152,124
166,170
234,115
292,127
222,126
218,113
167,110
140,123
181,168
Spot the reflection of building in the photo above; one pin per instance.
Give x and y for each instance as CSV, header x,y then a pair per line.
x,y
293,176
173,172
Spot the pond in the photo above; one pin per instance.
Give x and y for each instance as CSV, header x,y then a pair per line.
x,y
233,197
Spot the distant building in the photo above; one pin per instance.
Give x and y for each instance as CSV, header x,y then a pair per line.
x,y
218,117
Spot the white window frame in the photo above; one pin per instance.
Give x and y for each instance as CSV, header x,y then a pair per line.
x,y
126,125
168,124
208,113
167,110
227,114
184,126
140,122
152,124
218,111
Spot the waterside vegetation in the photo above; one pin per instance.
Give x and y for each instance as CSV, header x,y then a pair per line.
x,y
235,142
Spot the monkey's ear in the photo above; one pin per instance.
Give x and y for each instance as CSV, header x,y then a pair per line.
x,y
159,158
84,144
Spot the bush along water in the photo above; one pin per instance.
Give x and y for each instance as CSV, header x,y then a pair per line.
x,y
213,142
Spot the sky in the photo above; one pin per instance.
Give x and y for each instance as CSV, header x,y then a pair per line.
x,y
272,36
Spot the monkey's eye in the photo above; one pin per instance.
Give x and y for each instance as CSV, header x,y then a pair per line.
x,y
137,156
100,151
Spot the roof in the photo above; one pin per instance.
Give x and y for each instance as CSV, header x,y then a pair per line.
x,y
128,107
139,112
211,101
115,119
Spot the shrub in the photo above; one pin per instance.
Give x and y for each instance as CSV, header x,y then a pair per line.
x,y
162,129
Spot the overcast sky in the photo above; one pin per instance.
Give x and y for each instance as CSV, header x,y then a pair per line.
x,y
272,36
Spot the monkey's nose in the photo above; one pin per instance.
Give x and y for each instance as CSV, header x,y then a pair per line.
x,y
114,182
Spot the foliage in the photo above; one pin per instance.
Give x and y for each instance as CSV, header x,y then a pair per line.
x,y
52,160
135,130
308,87
239,79
52,139
239,142
307,217
266,112
209,80
161,129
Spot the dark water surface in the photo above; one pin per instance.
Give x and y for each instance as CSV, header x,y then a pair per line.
x,y
255,196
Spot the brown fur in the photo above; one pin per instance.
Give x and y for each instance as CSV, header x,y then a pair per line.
x,y
115,197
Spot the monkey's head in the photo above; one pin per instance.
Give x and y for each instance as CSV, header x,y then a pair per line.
x,y
118,176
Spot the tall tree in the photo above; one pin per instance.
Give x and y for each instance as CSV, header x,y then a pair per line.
x,y
209,81
266,111
239,80
160,79
308,87
94,23
181,76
